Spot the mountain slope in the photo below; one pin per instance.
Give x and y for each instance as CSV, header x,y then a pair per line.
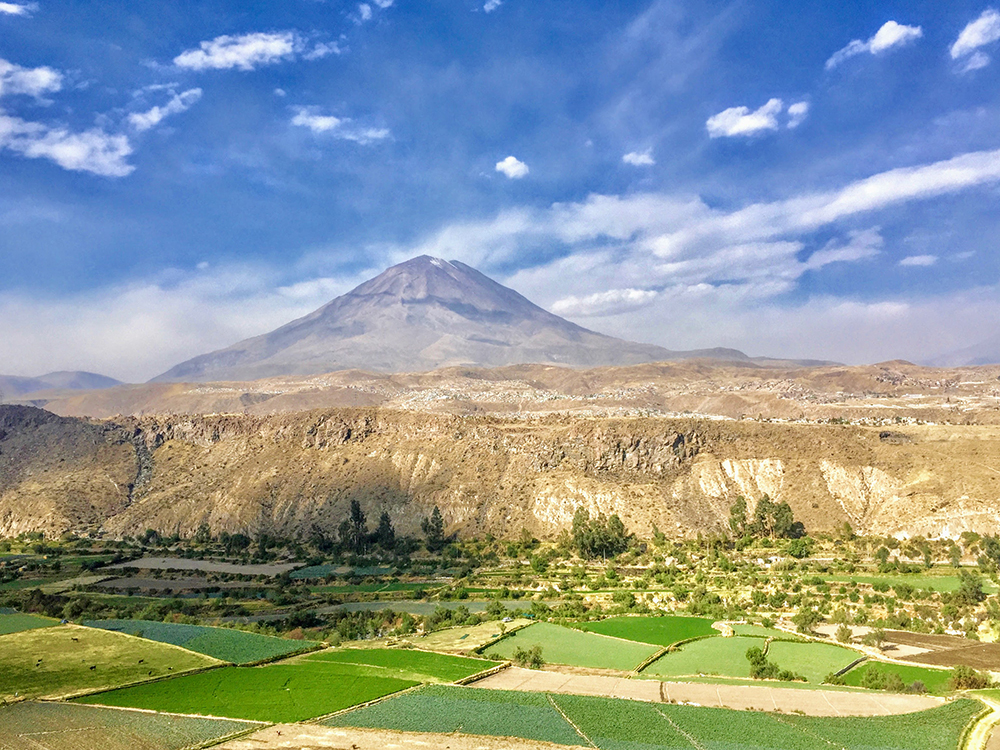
x,y
14,385
420,315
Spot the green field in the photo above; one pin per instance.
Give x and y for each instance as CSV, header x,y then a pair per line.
x,y
725,657
17,622
935,680
442,708
760,632
661,631
49,662
615,724
407,664
67,726
224,644
573,647
814,661
275,693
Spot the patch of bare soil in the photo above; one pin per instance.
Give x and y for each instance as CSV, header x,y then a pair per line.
x,y
308,737
741,697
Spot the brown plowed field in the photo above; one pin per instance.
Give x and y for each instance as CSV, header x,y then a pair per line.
x,y
741,697
948,650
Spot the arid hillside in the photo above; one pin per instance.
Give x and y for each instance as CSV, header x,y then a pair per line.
x,y
288,473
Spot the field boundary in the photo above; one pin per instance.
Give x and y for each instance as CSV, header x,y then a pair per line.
x,y
135,709
674,646
482,675
366,704
150,681
965,740
655,657
852,665
558,708
503,635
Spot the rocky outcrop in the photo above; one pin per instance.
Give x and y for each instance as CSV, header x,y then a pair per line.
x,y
290,473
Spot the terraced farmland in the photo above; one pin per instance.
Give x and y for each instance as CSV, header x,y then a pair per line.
x,y
275,693
574,647
814,661
442,708
407,664
224,644
723,657
17,622
616,724
49,662
661,631
68,726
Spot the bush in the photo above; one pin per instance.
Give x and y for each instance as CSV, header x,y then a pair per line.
x,y
529,657
966,678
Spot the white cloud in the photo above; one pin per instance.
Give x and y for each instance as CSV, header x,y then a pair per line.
x,y
741,121
919,260
891,35
31,81
639,158
384,3
244,52
492,5
337,127
984,30
18,9
365,11
323,49
797,114
611,302
90,151
512,167
178,103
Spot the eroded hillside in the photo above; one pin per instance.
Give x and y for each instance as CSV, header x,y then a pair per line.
x,y
287,473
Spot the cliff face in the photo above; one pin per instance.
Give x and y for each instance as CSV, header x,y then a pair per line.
x,y
287,473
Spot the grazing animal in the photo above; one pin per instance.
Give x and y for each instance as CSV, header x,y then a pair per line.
x,y
93,668
76,639
141,661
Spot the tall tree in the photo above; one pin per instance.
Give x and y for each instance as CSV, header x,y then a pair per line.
x,y
385,535
354,530
433,529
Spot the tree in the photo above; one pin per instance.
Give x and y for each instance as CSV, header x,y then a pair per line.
x,y
966,678
738,517
354,530
385,535
600,537
970,588
844,634
875,638
203,535
433,529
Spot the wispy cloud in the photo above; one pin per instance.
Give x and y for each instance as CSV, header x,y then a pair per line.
x,y
244,52
741,121
919,260
639,158
514,168
611,302
323,49
984,30
31,81
337,127
890,36
797,114
492,5
18,9
178,103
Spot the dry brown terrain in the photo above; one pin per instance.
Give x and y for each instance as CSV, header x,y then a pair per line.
x,y
289,473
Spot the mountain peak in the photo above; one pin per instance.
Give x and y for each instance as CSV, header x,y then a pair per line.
x,y
419,315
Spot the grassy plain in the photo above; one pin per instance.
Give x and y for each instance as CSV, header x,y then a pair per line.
x,y
275,693
16,623
575,648
661,631
57,661
68,726
935,680
224,644
814,661
406,664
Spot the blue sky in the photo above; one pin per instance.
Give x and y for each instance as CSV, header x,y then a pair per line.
x,y
793,179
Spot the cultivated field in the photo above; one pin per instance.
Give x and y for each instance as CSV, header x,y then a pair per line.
x,y
614,724
947,650
17,622
224,644
724,657
935,680
575,648
812,660
206,566
49,662
275,693
407,664
442,708
68,726
661,631
769,696
465,638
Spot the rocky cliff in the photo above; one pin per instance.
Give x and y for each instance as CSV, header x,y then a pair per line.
x,y
287,473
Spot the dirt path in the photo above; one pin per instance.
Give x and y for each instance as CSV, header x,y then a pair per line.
x,y
743,697
309,737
